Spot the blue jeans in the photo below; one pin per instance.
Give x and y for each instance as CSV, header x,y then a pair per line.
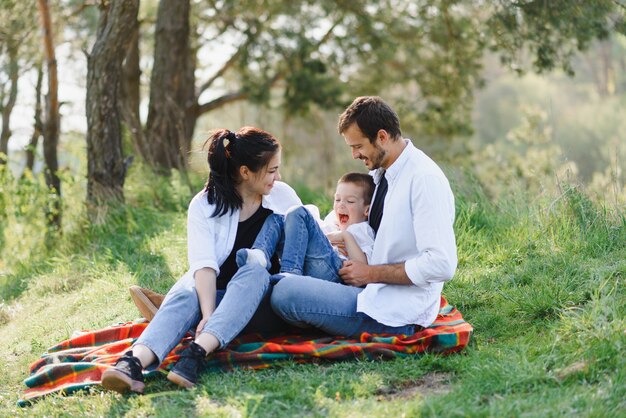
x,y
243,306
331,307
302,245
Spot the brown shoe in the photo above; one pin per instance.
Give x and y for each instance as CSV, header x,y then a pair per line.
x,y
147,301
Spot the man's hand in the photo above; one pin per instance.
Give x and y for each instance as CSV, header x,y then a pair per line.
x,y
355,273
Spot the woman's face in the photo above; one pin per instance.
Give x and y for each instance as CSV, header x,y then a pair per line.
x,y
262,181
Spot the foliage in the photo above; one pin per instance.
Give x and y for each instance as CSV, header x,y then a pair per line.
x,y
552,31
17,51
425,56
608,186
574,137
326,52
528,159
540,280
18,30
582,116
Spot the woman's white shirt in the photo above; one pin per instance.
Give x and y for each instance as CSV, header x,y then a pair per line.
x,y
211,239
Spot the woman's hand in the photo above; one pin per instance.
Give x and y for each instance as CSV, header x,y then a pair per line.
x,y
201,325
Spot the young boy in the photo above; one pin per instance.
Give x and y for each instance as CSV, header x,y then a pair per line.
x,y
306,249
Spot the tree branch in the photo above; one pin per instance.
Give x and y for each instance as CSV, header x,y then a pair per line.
x,y
241,94
221,101
232,97
228,64
81,8
329,32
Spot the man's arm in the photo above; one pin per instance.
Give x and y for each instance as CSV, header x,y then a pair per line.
x,y
432,210
356,273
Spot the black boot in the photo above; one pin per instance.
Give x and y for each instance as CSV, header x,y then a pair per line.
x,y
185,371
125,376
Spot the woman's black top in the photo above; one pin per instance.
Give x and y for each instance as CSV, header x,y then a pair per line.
x,y
246,234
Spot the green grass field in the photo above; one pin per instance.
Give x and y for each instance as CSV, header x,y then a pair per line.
x,y
541,280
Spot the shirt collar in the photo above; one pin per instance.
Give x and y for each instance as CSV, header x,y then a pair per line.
x,y
397,165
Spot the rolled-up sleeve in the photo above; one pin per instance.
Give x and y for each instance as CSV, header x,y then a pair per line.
x,y
200,237
432,207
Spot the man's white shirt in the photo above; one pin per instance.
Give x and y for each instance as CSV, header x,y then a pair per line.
x,y
416,229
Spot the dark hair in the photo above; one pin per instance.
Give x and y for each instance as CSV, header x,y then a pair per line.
x,y
364,181
371,114
228,151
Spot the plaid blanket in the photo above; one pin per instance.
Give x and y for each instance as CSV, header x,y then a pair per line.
x,y
78,363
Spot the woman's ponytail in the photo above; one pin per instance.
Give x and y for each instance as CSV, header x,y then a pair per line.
x,y
220,187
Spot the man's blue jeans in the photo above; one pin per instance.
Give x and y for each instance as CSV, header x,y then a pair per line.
x,y
331,307
304,300
301,244
243,307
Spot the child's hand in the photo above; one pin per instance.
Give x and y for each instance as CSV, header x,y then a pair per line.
x,y
335,237
336,240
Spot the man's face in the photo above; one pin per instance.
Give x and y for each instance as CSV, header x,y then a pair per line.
x,y
372,155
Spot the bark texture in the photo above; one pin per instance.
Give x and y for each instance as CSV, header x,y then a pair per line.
x,y
37,125
171,89
51,122
7,108
131,95
106,170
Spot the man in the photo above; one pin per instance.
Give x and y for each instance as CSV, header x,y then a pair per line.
x,y
414,250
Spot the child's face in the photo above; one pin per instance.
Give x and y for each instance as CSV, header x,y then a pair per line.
x,y
349,207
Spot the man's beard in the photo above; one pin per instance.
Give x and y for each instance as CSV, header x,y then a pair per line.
x,y
377,160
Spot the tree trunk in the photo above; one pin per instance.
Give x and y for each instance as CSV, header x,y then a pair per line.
x,y
51,124
171,88
38,126
7,108
105,163
191,101
130,93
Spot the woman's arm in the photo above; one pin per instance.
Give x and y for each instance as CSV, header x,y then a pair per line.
x,y
206,289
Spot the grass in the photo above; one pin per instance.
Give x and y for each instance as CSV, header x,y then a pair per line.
x,y
541,282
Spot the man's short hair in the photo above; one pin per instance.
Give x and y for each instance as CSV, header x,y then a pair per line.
x,y
364,181
371,114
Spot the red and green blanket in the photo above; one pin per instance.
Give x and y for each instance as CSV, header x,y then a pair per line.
x,y
78,362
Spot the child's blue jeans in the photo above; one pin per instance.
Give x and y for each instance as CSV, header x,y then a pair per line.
x,y
303,248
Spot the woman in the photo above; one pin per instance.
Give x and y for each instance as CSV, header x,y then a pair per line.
x,y
242,190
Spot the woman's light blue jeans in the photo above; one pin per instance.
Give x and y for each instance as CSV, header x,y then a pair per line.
x,y
243,306
331,307
302,246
